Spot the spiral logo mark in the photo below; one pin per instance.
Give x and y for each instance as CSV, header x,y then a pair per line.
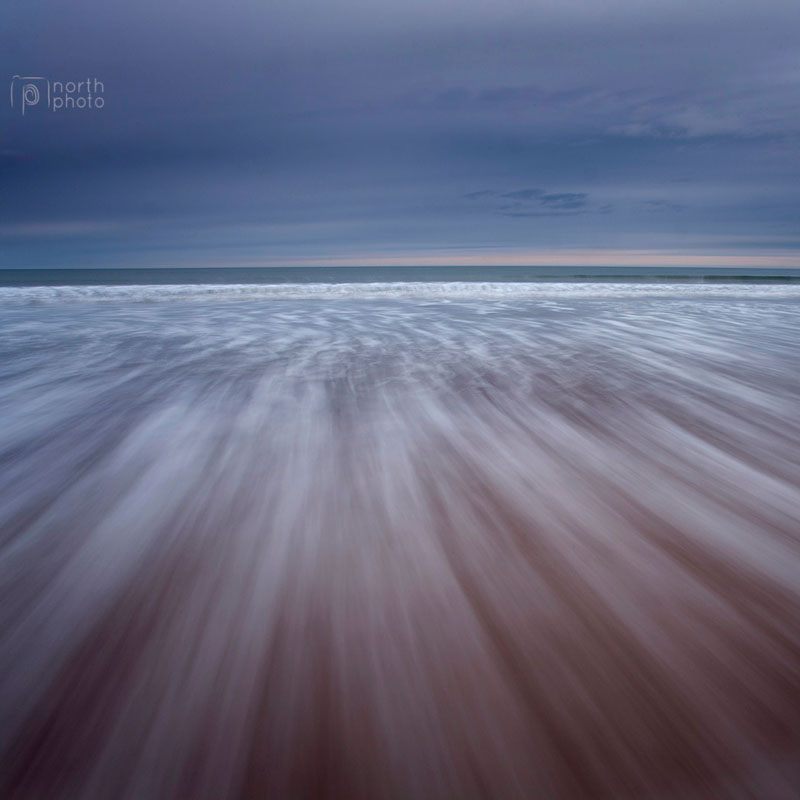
x,y
27,91
30,95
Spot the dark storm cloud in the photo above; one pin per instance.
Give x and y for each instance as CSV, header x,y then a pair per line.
x,y
564,200
656,206
536,202
304,128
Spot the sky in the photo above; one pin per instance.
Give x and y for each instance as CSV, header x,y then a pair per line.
x,y
252,133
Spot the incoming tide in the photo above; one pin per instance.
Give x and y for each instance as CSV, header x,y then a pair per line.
x,y
422,539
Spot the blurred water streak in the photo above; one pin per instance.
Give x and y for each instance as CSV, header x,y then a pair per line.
x,y
379,547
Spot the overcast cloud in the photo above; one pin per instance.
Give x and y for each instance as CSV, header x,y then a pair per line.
x,y
266,133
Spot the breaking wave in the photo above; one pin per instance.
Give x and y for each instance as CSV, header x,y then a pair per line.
x,y
447,291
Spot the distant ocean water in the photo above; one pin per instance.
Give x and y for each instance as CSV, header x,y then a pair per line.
x,y
339,275
284,535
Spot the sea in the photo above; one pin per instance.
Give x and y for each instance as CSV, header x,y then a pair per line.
x,y
399,533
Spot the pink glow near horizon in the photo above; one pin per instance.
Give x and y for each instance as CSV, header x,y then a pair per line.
x,y
543,258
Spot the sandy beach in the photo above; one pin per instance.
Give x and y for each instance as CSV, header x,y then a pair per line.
x,y
533,546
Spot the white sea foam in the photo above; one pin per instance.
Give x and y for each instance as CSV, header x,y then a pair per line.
x,y
430,291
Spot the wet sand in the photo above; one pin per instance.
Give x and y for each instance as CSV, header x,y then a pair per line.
x,y
377,549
